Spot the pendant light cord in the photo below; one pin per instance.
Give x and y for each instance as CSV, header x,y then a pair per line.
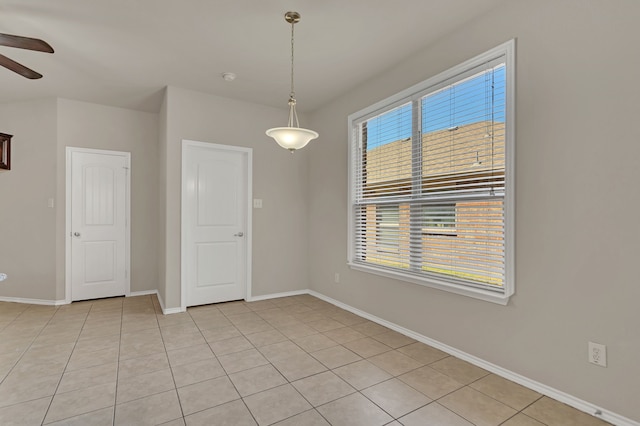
x,y
293,114
292,94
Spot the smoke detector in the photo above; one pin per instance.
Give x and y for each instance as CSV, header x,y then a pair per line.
x,y
228,76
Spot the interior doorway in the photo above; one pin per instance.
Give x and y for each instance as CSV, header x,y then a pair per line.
x,y
98,223
216,223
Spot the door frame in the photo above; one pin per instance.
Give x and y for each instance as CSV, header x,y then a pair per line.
x,y
248,159
68,238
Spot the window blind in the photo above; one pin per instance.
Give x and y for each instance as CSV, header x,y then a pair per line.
x,y
428,184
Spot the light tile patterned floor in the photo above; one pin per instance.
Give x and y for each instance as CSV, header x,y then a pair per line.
x,y
288,361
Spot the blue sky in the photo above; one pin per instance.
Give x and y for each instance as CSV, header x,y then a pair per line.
x,y
457,105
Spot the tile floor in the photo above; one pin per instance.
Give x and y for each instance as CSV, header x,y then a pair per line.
x,y
289,361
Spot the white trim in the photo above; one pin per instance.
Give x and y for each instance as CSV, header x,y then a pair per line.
x,y
172,311
142,293
169,311
399,98
69,150
67,228
556,394
277,295
506,50
64,301
249,225
33,301
510,175
464,290
249,215
165,311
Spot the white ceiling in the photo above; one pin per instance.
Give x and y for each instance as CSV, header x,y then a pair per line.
x,y
123,52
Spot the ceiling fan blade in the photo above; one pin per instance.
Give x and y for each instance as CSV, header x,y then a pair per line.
x,y
19,68
25,43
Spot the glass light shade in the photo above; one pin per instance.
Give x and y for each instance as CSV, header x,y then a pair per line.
x,y
292,138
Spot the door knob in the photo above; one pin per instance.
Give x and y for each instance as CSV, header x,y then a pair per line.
x,y
76,234
239,234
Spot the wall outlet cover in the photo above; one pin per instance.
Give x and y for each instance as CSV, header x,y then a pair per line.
x,y
597,354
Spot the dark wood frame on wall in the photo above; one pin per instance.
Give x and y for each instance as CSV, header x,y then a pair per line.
x,y
5,151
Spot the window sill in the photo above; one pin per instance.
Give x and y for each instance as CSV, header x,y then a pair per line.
x,y
451,287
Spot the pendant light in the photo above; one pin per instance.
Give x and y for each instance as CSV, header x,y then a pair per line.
x,y
293,136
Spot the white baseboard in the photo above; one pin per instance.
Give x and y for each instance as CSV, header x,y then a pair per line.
x,y
33,301
142,293
168,311
248,299
277,295
558,395
64,302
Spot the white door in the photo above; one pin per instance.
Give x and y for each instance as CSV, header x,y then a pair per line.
x,y
215,217
98,188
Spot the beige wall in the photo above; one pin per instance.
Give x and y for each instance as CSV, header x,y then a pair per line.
x,y
87,125
27,224
577,233
279,178
32,235
32,249
578,164
162,200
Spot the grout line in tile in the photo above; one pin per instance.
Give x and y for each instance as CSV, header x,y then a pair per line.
x,y
506,420
123,309
66,364
227,375
28,347
115,397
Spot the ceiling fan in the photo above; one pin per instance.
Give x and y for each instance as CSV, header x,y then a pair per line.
x,y
22,43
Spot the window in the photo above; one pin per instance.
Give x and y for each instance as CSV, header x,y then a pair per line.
x,y
431,181
439,219
387,227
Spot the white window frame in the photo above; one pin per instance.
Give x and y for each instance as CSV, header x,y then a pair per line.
x,y
434,83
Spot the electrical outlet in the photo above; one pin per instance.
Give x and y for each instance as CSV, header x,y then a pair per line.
x,y
336,278
597,354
